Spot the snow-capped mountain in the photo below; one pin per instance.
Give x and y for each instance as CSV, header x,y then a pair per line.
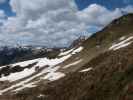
x,y
78,41
100,68
10,55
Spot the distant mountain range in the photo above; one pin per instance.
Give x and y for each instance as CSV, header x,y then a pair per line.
x,y
98,68
19,53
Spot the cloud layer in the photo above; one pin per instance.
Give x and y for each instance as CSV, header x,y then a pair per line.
x,y
53,23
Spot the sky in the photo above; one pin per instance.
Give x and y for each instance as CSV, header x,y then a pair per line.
x,y
56,23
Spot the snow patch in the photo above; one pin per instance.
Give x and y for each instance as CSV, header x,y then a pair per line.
x,y
121,44
122,38
22,64
71,51
77,50
27,72
25,63
52,76
66,52
30,85
86,70
19,75
72,64
50,72
23,84
41,96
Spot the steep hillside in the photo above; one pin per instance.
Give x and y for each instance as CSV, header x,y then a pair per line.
x,y
100,42
100,68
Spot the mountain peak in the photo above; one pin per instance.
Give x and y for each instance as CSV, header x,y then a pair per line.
x,y
126,19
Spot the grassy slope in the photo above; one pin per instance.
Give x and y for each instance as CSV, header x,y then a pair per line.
x,y
116,29
110,79
99,42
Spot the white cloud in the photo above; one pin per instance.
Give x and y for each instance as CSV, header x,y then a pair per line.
x,y
2,17
128,9
53,23
98,15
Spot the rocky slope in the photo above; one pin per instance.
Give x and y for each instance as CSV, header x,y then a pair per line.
x,y
100,68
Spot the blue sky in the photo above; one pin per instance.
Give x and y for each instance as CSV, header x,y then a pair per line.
x,y
58,22
6,7
110,4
